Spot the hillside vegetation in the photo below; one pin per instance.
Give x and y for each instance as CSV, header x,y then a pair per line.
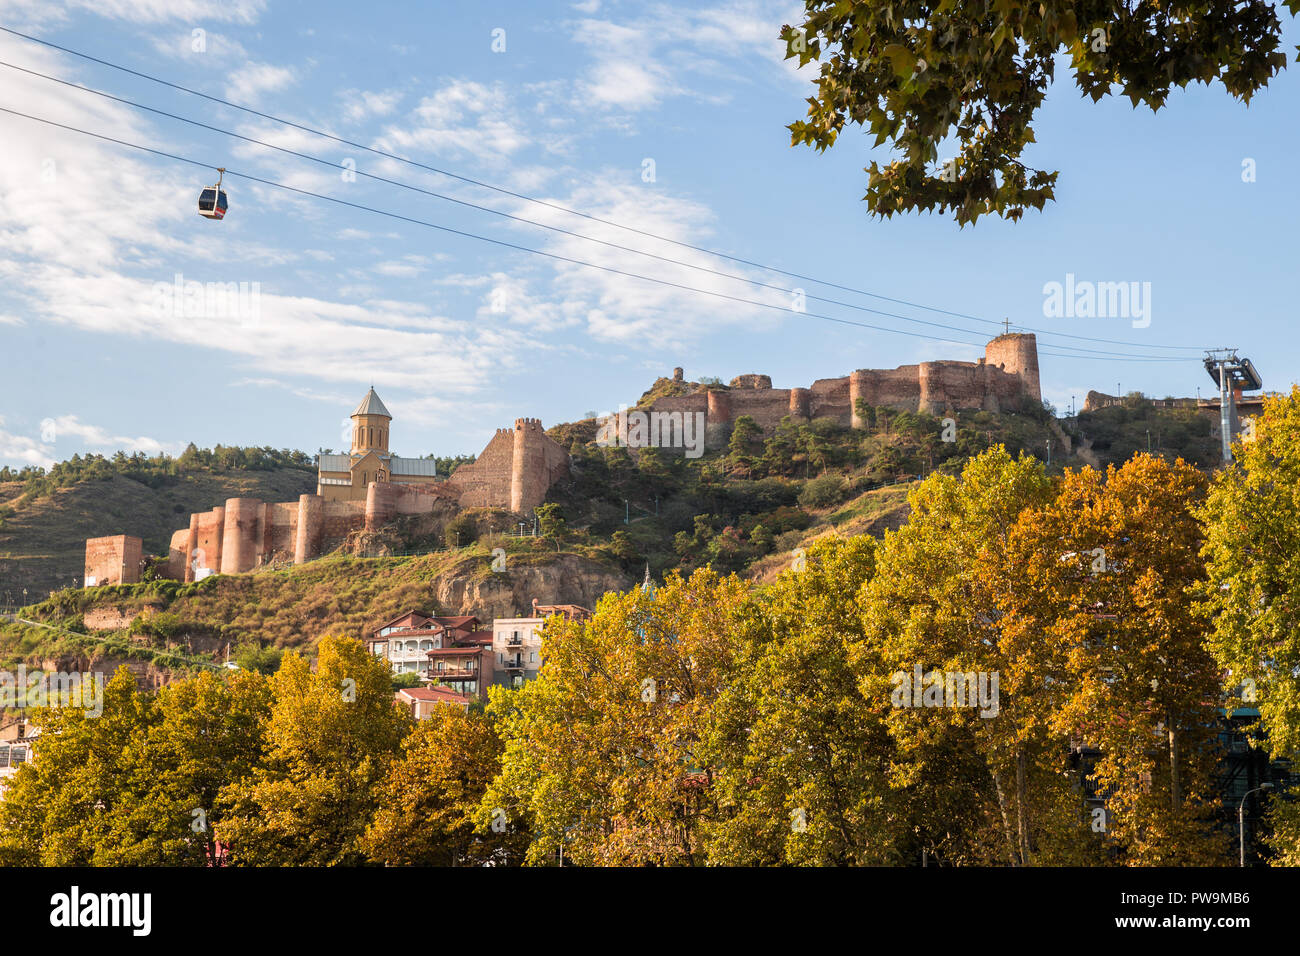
x,y
293,607
748,508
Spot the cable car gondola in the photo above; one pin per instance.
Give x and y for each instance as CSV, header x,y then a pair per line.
x,y
212,200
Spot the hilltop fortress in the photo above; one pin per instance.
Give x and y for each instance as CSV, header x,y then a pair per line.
x,y
360,491
1004,379
369,487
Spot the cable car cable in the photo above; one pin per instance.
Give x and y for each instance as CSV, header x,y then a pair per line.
x,y
550,255
452,199
561,208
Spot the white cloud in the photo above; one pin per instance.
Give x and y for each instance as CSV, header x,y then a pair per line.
x,y
22,450
617,306
247,83
408,267
462,118
682,51
93,436
362,104
135,11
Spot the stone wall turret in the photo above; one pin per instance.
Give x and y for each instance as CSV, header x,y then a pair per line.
x,y
528,482
311,511
241,540
859,388
929,375
800,404
1017,354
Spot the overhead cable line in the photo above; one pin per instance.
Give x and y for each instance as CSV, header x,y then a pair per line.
x,y
546,203
452,199
521,248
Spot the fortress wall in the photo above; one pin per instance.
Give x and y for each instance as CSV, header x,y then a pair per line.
x,y
695,402
1017,354
280,525
485,482
307,540
209,534
241,544
339,519
178,554
555,461
766,406
113,560
830,399
954,385
898,388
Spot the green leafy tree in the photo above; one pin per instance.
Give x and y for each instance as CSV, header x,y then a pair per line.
x,y
550,521
605,752
803,757
935,604
917,75
58,810
206,735
1252,595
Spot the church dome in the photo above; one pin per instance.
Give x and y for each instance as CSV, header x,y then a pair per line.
x,y
371,405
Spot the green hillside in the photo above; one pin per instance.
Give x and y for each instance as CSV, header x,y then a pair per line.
x,y
743,509
45,518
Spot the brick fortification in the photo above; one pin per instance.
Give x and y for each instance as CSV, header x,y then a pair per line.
x,y
515,471
1004,379
116,559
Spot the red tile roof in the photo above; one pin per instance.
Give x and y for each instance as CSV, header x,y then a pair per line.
x,y
435,694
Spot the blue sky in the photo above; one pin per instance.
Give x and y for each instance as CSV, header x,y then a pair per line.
x,y
461,337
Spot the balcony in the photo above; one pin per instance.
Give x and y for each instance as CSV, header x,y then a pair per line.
x,y
514,664
454,673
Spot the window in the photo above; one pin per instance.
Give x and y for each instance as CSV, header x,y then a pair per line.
x,y
532,658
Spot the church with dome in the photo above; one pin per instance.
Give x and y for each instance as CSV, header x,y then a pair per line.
x,y
347,477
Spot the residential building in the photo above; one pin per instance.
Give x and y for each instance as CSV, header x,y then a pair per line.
x,y
406,640
517,641
16,743
421,701
452,651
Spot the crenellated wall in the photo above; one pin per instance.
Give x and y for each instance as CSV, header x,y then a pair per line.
x,y
1002,380
514,471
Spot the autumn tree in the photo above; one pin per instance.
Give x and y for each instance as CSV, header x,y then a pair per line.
x,y
329,740
428,801
1104,577
58,809
606,751
136,785
936,607
206,735
803,758
921,75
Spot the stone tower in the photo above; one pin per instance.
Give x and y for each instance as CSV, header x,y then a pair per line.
x,y
370,426
1017,354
